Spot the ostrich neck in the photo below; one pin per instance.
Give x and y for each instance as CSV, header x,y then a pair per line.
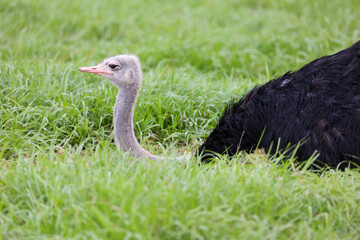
x,y
123,123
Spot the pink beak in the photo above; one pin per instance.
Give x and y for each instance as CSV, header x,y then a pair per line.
x,y
95,70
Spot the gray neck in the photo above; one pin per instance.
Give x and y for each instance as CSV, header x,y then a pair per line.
x,y
123,123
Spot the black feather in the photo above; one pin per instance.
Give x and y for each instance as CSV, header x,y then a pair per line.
x,y
318,104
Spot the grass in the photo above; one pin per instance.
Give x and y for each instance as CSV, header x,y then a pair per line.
x,y
61,176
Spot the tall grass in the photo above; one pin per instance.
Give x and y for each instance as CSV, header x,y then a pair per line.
x,y
62,177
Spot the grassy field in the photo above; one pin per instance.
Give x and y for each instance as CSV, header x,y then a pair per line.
x,y
61,176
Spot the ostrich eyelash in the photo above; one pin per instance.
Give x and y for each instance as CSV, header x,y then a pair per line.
x,y
113,66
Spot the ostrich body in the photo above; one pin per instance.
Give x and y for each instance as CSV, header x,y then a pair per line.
x,y
317,105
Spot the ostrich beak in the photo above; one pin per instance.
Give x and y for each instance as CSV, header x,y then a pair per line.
x,y
95,69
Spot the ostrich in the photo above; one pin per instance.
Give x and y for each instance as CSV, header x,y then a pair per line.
x,y
317,107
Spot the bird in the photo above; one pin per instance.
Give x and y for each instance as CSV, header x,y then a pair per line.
x,y
315,108
124,71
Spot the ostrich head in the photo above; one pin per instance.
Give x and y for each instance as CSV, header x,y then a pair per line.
x,y
125,73
123,70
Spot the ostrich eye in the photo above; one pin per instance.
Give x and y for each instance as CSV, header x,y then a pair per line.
x,y
114,66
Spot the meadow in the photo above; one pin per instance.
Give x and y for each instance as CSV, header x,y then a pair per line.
x,y
61,175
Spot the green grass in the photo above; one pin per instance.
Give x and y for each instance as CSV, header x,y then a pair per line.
x,y
61,176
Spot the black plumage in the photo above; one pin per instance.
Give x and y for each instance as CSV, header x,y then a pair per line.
x,y
317,106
